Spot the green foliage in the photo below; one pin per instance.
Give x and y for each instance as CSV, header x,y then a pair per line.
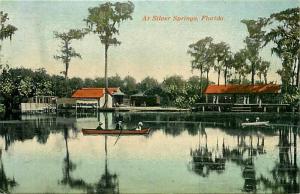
x,y
222,54
114,81
147,84
239,64
67,52
105,19
262,71
129,85
292,98
285,38
17,84
182,93
254,41
6,30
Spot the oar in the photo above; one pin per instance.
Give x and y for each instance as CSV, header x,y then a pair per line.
x,y
118,136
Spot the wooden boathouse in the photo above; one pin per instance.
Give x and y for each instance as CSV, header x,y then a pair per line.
x,y
243,98
94,97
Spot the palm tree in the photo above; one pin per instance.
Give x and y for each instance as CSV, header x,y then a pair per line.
x,y
104,21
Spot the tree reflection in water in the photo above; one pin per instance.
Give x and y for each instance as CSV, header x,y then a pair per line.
x,y
69,166
108,183
205,160
6,184
285,173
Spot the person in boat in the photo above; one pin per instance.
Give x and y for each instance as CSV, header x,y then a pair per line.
x,y
139,127
99,126
119,125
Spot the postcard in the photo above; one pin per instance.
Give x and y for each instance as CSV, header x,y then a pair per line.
x,y
193,96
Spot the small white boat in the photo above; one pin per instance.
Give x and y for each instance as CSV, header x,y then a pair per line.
x,y
258,123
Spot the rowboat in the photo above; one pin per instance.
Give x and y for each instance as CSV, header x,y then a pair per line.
x,y
261,123
144,131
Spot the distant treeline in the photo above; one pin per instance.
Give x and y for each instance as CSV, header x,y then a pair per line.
x,y
19,84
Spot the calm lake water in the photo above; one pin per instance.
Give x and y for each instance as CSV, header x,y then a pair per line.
x,y
185,152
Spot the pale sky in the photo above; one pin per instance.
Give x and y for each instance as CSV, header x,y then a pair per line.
x,y
156,49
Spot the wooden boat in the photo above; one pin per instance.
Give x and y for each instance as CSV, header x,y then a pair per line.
x,y
261,123
144,131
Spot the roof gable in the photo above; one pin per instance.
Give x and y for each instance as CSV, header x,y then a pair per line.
x,y
242,89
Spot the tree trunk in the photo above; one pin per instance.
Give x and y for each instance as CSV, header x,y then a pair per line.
x,y
298,73
201,84
67,69
219,77
259,78
207,81
8,106
294,74
225,76
265,77
67,60
253,74
106,79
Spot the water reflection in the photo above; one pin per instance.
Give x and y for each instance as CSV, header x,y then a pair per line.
x,y
285,173
6,183
263,159
108,183
69,167
205,160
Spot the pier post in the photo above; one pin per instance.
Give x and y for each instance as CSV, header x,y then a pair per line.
x,y
265,109
278,108
219,108
203,109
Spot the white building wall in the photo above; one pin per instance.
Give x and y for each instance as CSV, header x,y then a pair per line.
x,y
109,103
32,107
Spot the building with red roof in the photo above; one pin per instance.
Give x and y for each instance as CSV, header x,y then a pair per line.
x,y
243,94
94,97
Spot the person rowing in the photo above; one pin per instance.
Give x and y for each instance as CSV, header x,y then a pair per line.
x,y
99,126
119,125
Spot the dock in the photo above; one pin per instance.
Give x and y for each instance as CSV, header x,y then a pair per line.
x,y
235,107
143,109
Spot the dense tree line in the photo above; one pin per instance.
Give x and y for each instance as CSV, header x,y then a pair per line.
x,y
19,84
